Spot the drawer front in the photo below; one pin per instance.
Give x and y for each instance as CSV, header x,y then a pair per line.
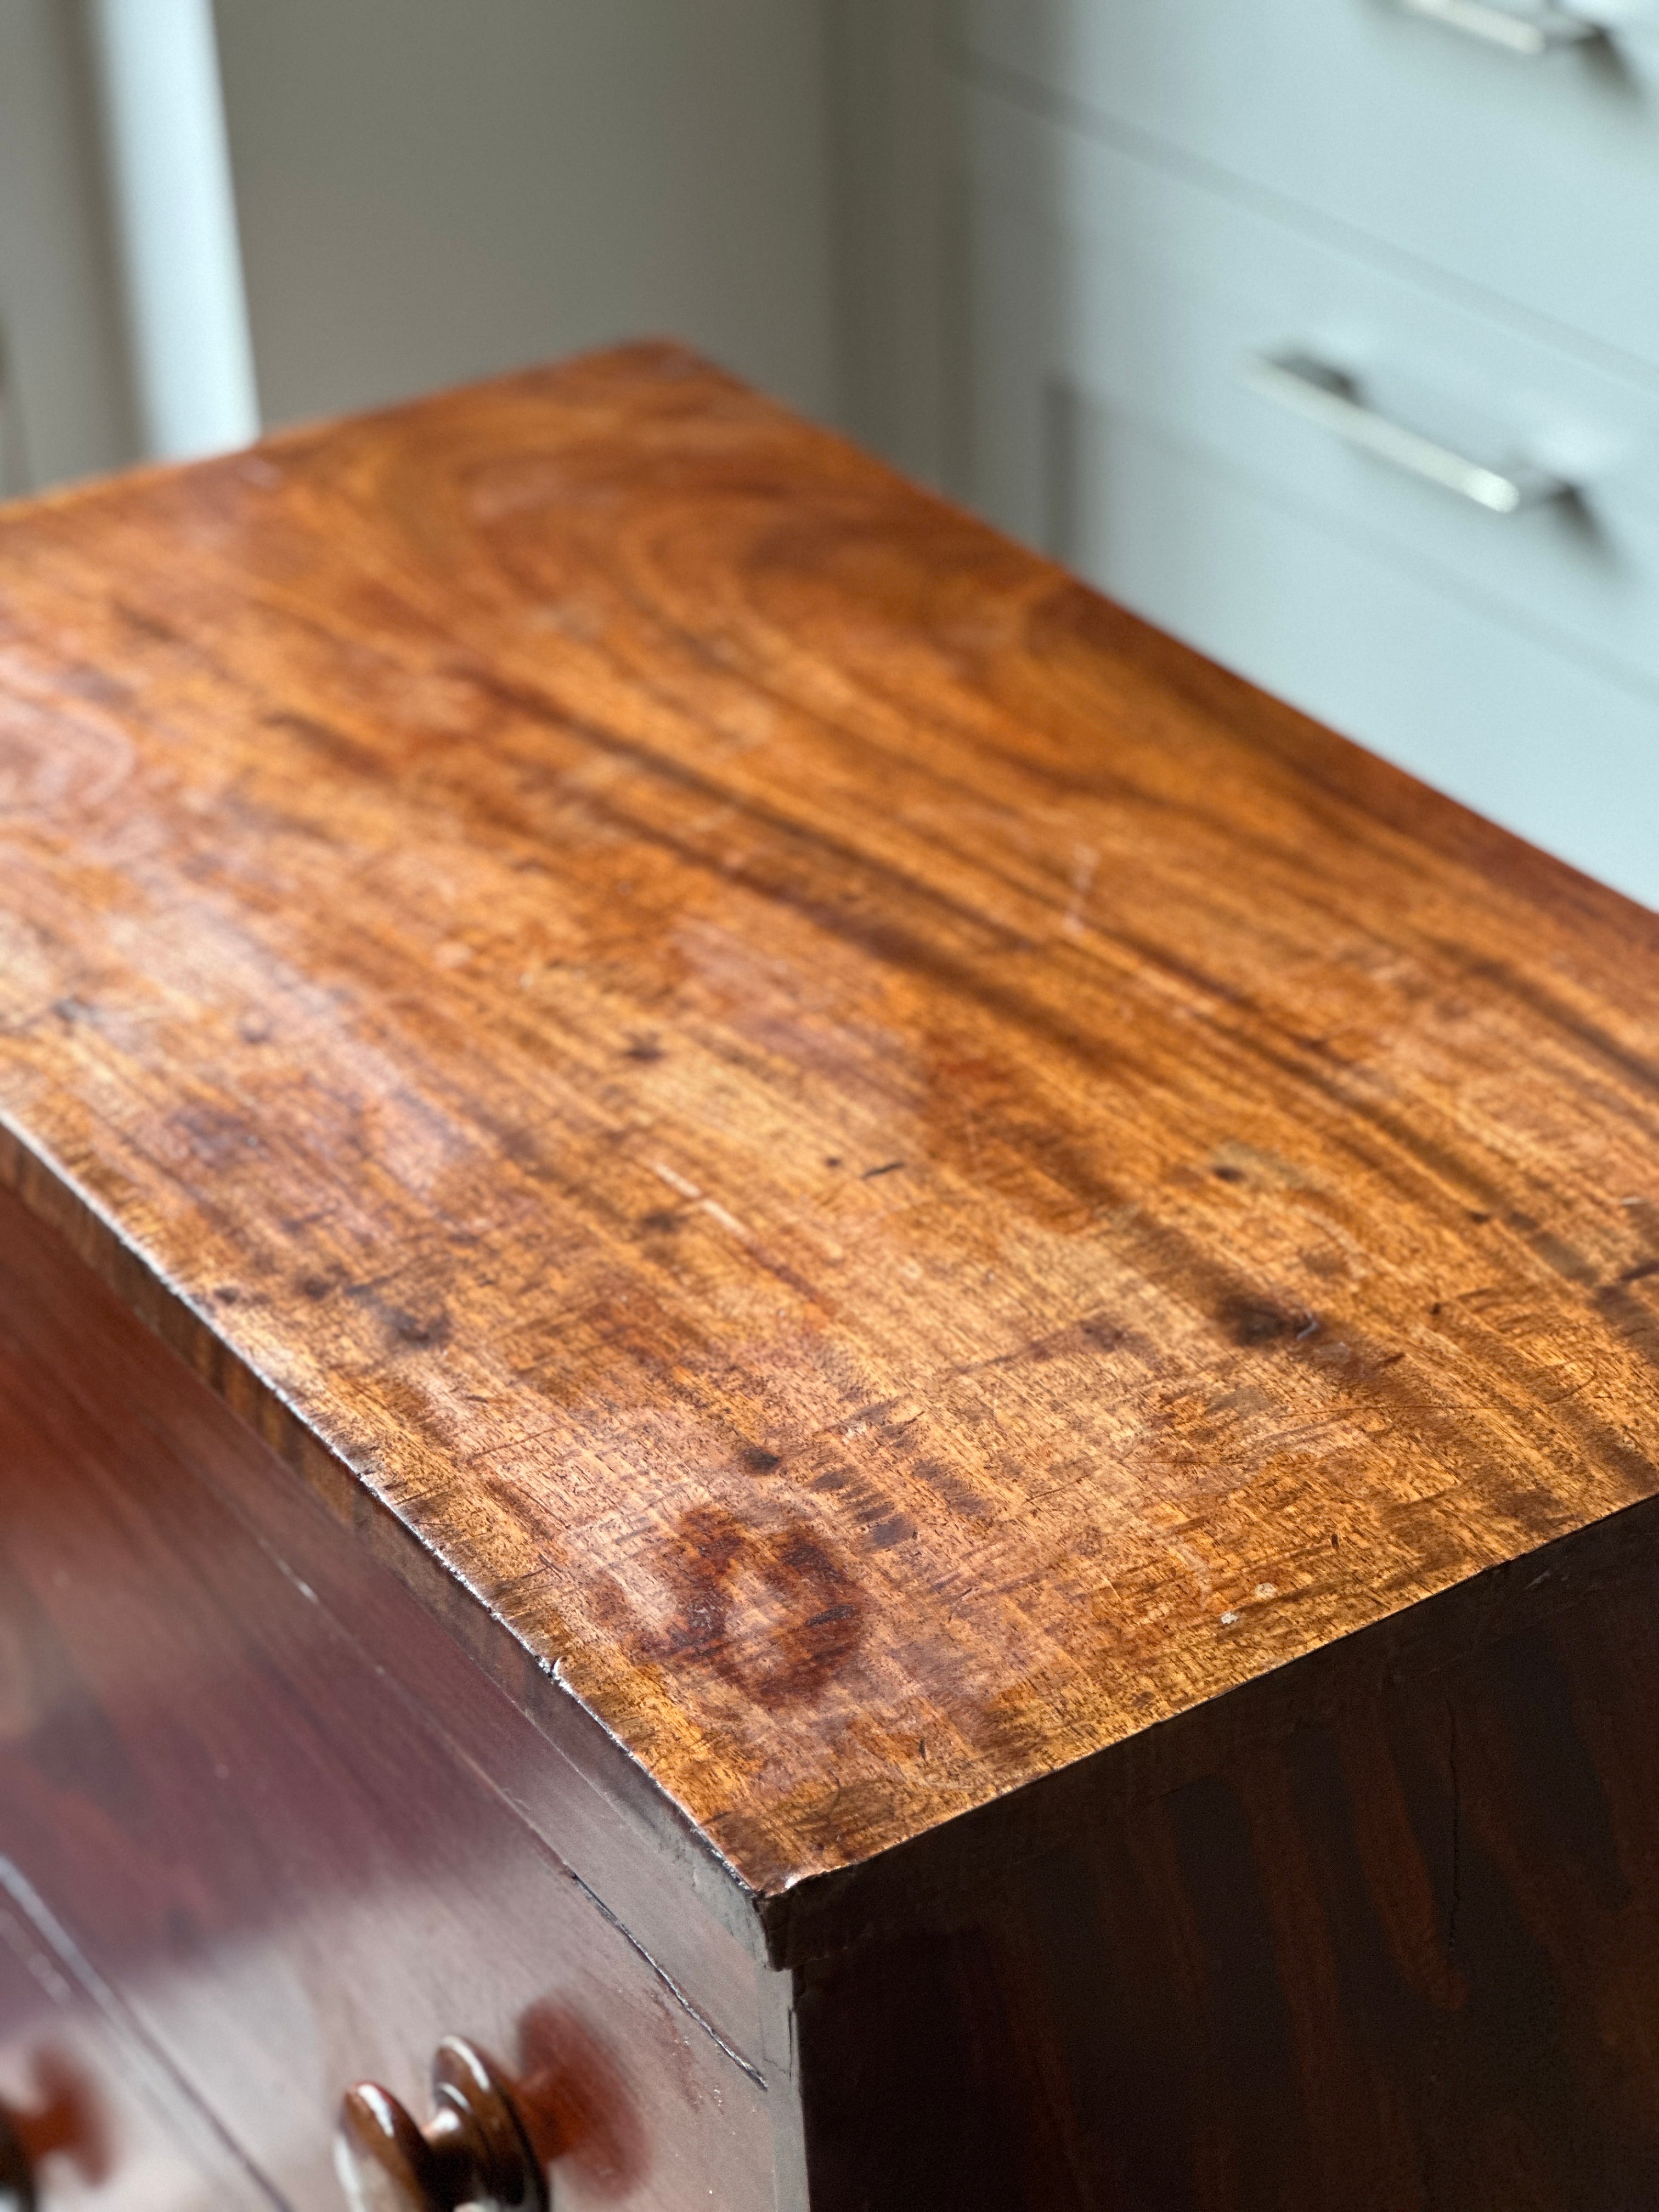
x,y
291,1881
1534,179
1512,660
102,2124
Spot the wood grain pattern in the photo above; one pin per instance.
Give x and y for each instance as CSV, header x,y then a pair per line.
x,y
297,1865
102,1372
903,1179
99,2123
1403,1958
1386,1919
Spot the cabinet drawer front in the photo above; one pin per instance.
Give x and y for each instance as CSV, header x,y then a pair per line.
x,y
1534,179
1103,292
102,2125
291,1883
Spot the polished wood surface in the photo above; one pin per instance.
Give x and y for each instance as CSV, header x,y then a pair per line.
x,y
302,1847
902,1178
1402,1958
1391,1913
475,2149
91,2119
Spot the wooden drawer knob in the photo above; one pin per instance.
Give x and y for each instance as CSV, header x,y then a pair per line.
x,y
473,2151
16,2183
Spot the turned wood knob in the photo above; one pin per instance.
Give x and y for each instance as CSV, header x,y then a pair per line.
x,y
473,2151
16,2182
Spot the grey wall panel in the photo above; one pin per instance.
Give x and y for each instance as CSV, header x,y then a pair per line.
x,y
429,192
65,410
893,114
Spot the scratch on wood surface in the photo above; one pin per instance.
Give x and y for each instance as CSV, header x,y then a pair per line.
x,y
1084,866
711,1207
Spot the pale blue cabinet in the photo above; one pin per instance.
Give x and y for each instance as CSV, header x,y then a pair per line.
x,y
1272,311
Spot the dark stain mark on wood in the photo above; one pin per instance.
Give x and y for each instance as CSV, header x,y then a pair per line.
x,y
771,1613
427,1331
330,743
958,1494
1252,1320
217,1136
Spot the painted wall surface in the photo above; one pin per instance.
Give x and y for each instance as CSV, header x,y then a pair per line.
x,y
429,192
64,407
893,162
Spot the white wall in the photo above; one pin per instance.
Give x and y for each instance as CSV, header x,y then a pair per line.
x,y
431,189
65,408
173,218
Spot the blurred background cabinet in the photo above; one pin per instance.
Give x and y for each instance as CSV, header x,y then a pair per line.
x,y
1027,248
93,2117
65,406
1214,262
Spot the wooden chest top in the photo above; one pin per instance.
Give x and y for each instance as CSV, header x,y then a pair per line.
x,y
902,1178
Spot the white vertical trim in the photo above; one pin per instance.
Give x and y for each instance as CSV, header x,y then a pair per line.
x,y
175,221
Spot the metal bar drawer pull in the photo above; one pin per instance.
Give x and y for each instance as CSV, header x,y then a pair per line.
x,y
1538,31
1327,396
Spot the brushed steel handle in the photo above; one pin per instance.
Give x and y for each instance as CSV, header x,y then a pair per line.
x,y
474,2150
1538,31
17,2180
1327,396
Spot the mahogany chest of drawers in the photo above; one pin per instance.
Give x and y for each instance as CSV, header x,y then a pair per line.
x,y
791,1327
